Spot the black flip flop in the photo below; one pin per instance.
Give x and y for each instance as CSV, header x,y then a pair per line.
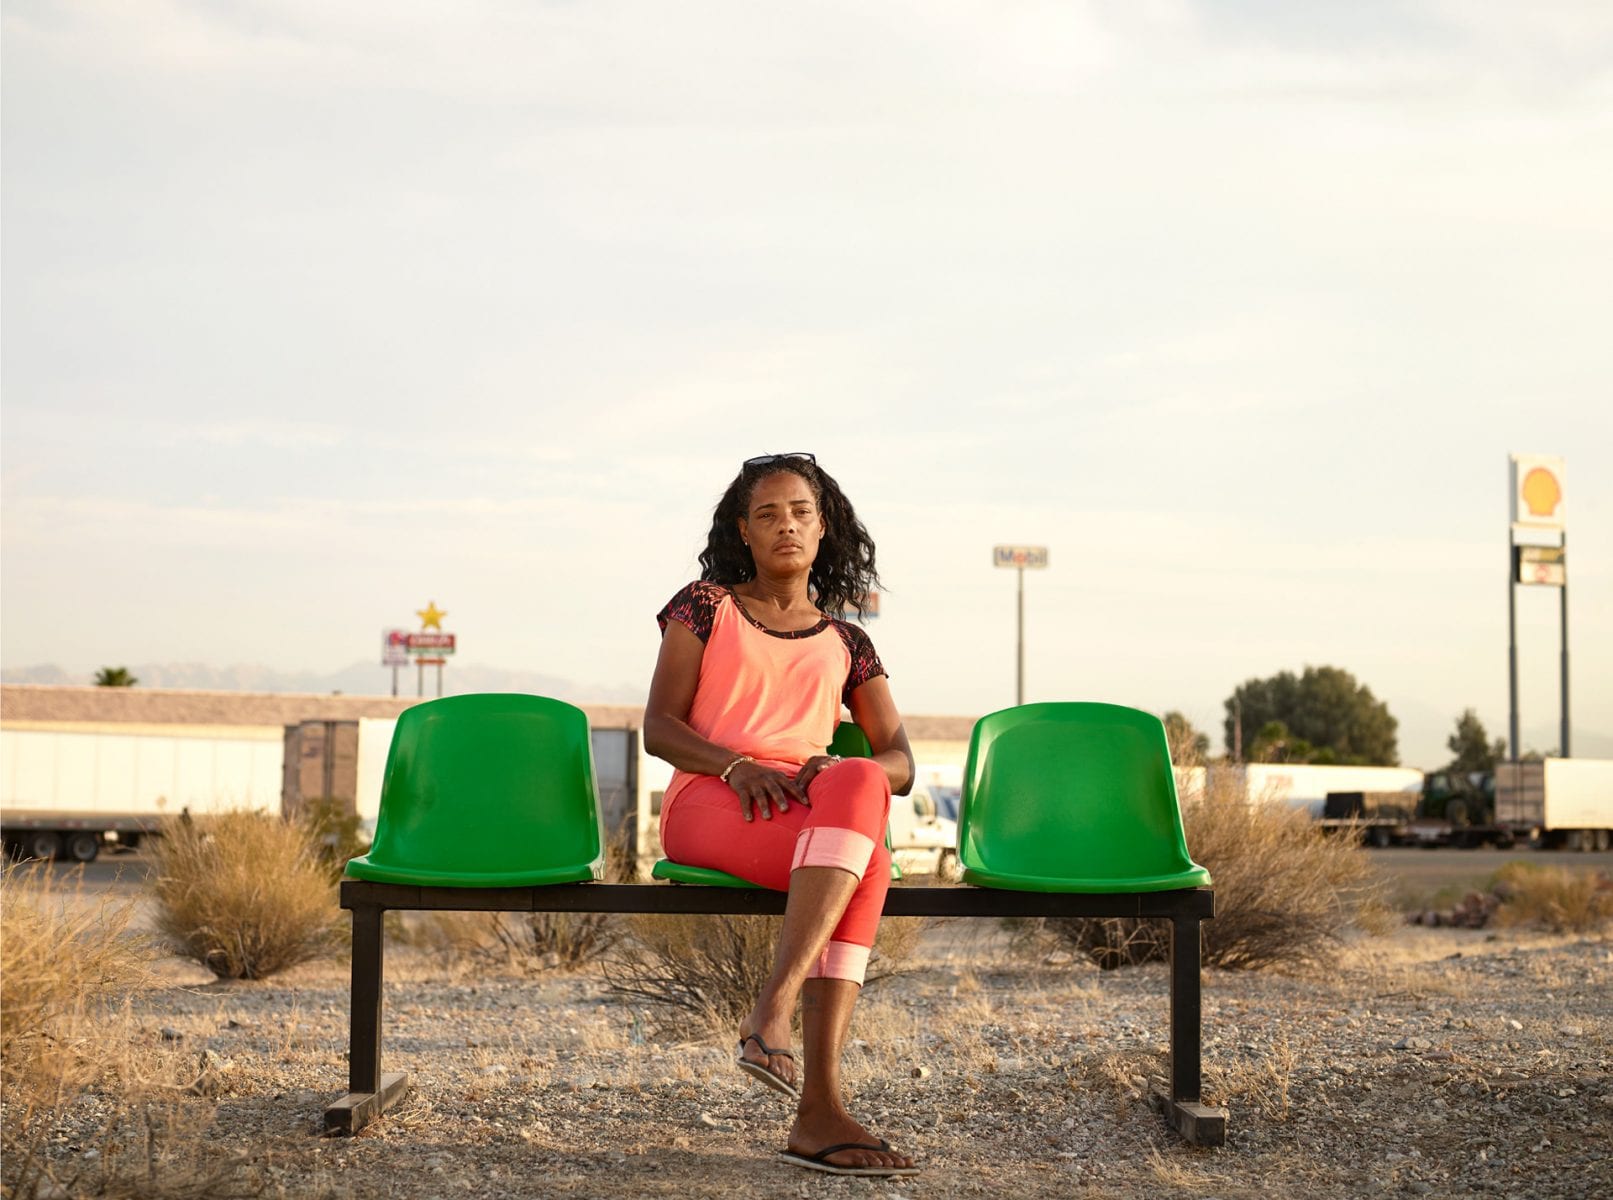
x,y
819,1161
760,1071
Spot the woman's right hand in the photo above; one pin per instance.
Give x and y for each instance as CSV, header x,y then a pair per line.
x,y
762,789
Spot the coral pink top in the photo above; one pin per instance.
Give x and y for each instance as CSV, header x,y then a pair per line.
x,y
773,695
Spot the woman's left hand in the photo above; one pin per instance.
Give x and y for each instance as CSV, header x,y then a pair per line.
x,y
809,769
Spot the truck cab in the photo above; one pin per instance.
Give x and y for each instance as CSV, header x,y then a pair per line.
x,y
924,842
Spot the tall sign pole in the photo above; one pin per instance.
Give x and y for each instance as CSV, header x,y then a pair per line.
x,y
1512,645
1537,557
431,649
1019,657
1562,599
428,648
1020,558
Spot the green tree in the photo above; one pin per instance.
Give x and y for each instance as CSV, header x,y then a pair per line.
x,y
1275,744
1189,747
114,677
1320,716
1472,746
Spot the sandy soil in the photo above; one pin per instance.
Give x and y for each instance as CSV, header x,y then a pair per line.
x,y
1430,1062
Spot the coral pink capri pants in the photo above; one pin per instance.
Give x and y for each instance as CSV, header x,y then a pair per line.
x,y
842,827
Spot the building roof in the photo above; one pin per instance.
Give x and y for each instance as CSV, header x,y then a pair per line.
x,y
174,706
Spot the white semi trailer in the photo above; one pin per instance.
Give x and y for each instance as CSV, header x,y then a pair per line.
x,y
1567,803
69,793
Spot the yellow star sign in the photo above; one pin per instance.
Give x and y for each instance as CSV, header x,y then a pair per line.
x,y
430,616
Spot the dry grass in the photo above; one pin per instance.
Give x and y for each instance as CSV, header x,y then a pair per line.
x,y
64,966
714,966
58,956
527,945
710,966
335,831
1285,893
1553,898
244,894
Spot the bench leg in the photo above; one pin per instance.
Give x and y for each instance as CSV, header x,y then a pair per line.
x,y
369,1093
1198,1123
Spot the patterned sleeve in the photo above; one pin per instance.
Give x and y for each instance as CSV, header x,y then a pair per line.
x,y
865,664
695,606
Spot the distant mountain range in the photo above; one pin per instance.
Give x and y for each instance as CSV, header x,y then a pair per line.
x,y
358,679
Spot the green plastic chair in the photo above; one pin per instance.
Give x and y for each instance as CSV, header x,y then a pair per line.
x,y
849,741
1072,798
489,790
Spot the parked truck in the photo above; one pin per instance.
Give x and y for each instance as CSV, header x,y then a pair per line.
x,y
1377,818
1301,785
71,793
925,842
1565,803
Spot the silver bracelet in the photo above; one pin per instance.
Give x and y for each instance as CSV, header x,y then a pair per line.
x,y
738,758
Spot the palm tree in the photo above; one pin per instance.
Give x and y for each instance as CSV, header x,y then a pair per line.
x,y
114,677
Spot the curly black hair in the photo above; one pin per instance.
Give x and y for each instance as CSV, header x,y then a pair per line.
x,y
842,575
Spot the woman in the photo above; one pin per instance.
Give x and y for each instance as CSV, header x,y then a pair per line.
x,y
752,672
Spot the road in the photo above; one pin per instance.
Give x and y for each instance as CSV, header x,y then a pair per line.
x,y
1412,871
1415,872
118,874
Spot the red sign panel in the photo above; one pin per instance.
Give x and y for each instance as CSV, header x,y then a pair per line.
x,y
435,644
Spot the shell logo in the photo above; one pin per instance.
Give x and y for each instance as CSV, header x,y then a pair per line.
x,y
1541,492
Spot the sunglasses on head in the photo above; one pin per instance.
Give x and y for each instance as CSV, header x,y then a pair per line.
x,y
767,460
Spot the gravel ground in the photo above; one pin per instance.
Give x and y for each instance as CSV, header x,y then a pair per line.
x,y
1429,1062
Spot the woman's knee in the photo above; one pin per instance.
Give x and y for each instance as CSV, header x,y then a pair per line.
x,y
854,781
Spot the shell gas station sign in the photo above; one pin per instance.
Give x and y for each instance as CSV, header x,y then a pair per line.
x,y
1538,547
1539,534
1537,492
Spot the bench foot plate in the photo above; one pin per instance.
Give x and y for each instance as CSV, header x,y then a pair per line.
x,y
357,1109
1197,1123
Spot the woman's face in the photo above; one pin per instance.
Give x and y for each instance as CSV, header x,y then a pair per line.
x,y
783,527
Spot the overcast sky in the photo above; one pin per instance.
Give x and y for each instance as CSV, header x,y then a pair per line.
x,y
316,310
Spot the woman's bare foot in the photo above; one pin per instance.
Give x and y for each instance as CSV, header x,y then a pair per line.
x,y
819,1126
773,1031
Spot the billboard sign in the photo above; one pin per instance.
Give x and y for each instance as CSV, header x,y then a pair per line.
x,y
394,647
435,645
1022,557
1544,565
1537,491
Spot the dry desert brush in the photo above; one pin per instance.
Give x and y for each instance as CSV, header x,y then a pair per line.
x,y
67,966
58,957
714,966
244,894
526,944
1286,894
1553,898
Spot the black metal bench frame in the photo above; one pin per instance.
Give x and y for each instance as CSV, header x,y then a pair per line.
x,y
371,1093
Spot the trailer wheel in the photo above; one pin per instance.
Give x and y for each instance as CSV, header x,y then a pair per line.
x,y
1378,837
83,847
1573,839
43,844
1602,839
